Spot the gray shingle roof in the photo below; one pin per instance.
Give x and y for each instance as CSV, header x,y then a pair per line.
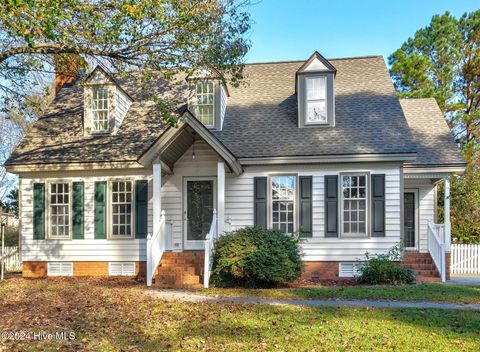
x,y
435,143
261,117
57,137
260,121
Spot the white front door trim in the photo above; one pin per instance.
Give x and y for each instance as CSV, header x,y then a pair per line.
x,y
417,217
189,244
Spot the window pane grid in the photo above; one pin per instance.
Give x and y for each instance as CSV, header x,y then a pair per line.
x,y
283,203
59,210
354,204
100,109
122,208
204,96
316,97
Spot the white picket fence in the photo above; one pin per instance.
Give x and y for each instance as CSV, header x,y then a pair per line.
x,y
12,259
465,259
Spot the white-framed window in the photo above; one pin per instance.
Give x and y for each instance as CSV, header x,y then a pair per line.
x,y
59,210
204,103
121,208
283,195
354,192
100,109
316,100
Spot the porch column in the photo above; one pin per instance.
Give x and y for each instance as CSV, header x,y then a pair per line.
x,y
221,196
448,226
157,200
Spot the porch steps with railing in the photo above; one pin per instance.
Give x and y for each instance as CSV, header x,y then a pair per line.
x,y
423,266
180,270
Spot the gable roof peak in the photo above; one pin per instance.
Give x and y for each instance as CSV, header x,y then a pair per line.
x,y
90,78
317,63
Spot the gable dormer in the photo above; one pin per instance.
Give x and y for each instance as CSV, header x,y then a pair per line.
x,y
315,82
207,98
105,103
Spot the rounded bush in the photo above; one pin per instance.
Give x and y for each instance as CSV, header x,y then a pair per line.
x,y
381,270
255,257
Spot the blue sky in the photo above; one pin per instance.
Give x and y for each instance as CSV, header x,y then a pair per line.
x,y
293,29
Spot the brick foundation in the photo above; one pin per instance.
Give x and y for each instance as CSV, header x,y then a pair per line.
x,y
39,269
421,263
34,269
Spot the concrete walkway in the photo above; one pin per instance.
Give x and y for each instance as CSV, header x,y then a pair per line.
x,y
473,280
187,296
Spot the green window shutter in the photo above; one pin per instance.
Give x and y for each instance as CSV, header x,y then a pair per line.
x,y
100,216
260,201
38,211
331,206
141,208
378,205
305,206
78,210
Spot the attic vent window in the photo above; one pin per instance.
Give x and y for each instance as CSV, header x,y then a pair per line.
x,y
100,120
316,99
204,96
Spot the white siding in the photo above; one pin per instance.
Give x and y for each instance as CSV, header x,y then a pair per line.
x,y
122,104
426,206
87,249
205,164
223,105
239,208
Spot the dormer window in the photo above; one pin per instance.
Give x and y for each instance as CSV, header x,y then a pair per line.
x,y
100,119
315,92
106,103
207,100
205,103
316,99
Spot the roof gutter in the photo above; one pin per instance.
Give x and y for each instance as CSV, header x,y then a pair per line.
x,y
438,168
81,166
314,159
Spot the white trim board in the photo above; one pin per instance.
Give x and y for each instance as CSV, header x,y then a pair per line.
x,y
326,159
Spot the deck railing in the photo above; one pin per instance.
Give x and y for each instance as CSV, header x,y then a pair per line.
x,y
436,247
156,248
209,244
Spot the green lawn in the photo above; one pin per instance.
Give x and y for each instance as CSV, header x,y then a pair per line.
x,y
116,315
420,292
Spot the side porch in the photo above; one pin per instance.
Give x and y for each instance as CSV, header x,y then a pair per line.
x,y
427,243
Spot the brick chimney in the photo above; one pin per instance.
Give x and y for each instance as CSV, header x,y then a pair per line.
x,y
68,67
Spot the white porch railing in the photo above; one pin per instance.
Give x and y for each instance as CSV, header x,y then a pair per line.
x,y
436,247
465,259
155,248
209,244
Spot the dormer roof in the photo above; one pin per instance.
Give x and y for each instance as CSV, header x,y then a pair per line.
x,y
207,74
99,76
317,63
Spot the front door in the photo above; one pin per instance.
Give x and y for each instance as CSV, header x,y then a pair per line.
x,y
410,219
198,204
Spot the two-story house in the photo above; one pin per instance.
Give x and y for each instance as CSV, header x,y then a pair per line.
x,y
319,147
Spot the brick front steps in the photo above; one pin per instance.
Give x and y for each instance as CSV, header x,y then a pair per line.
x,y
422,265
180,270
